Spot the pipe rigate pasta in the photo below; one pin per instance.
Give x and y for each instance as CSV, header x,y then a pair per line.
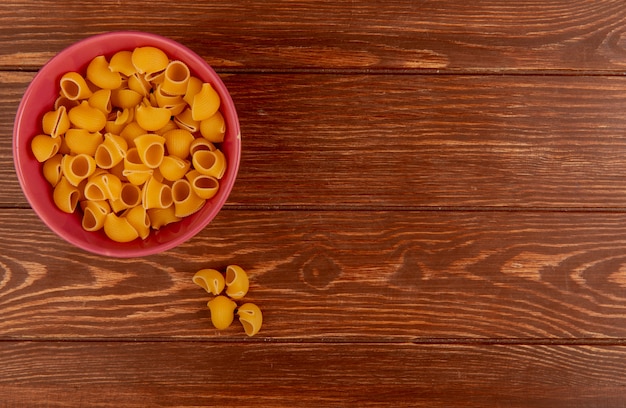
x,y
101,75
250,317
210,280
237,282
121,138
222,311
56,122
186,201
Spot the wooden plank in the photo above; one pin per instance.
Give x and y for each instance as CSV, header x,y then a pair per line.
x,y
137,374
483,35
327,275
415,141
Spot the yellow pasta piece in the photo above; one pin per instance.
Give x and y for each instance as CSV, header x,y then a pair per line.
x,y
149,59
210,163
176,78
174,103
94,214
101,100
45,146
119,229
132,131
174,168
205,103
204,186
52,169
74,87
65,196
210,280
186,201
160,217
138,218
63,101
122,61
151,149
201,144
125,98
237,282
151,117
194,85
135,170
214,128
222,311
77,168
178,142
99,73
250,317
130,196
81,141
185,120
156,194
55,123
86,117
103,186
111,151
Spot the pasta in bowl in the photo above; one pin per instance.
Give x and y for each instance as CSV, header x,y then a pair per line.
x,y
126,144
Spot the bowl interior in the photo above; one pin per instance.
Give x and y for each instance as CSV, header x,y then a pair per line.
x,y
39,98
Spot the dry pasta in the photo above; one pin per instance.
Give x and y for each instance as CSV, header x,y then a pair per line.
x,y
133,144
222,311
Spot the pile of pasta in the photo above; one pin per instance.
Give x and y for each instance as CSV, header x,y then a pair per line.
x,y
133,142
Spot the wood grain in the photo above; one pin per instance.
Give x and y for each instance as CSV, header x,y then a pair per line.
x,y
309,375
374,276
485,35
392,141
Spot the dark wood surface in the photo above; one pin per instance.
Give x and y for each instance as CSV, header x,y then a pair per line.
x,y
431,204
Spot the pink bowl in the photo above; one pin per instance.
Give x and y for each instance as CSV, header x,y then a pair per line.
x,y
39,98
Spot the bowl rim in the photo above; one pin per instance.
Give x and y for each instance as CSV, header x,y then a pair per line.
x,y
228,109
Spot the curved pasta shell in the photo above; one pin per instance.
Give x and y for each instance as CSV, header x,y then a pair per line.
x,y
74,87
125,98
210,280
81,141
86,117
237,282
131,132
178,142
65,196
103,186
174,168
160,217
194,85
205,103
156,194
130,196
45,146
210,163
56,122
52,169
184,120
77,168
213,129
111,151
119,229
63,101
250,317
101,100
151,149
204,186
94,214
186,202
99,73
138,83
201,144
222,311
138,218
152,118
149,59
175,78
174,103
133,162
122,61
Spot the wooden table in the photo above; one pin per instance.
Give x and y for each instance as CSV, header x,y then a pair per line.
x,y
431,204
